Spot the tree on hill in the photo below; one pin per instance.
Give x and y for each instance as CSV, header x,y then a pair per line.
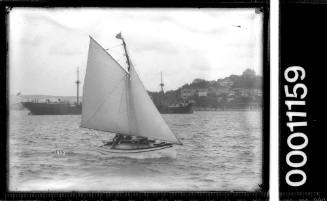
x,y
248,80
248,73
198,80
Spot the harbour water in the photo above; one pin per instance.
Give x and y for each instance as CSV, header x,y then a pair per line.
x,y
221,151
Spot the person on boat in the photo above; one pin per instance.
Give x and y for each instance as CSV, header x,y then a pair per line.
x,y
144,140
127,138
117,139
114,140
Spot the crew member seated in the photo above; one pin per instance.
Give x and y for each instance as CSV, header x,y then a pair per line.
x,y
143,140
120,139
127,137
117,139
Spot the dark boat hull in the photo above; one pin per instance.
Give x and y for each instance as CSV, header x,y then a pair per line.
x,y
185,109
68,109
52,108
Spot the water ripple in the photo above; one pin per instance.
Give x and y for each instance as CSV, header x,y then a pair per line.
x,y
221,151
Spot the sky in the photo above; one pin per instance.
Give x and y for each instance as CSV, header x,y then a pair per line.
x,y
47,45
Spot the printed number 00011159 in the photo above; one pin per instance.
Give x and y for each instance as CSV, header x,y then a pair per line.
x,y
294,75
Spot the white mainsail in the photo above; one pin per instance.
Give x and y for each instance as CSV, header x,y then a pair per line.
x,y
116,101
104,105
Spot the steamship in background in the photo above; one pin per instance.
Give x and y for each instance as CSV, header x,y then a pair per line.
x,y
180,108
55,107
64,107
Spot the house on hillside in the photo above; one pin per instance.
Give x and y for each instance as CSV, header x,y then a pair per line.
x,y
257,92
202,92
212,91
187,93
247,92
221,91
226,82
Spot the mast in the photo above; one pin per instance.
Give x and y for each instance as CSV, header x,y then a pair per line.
x,y
161,84
131,123
77,86
127,57
119,36
162,93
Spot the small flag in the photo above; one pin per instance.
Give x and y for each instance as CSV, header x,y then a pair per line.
x,y
119,36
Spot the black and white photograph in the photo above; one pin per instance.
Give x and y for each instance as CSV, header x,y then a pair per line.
x,y
302,106
135,99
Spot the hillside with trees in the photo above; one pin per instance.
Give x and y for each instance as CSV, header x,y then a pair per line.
x,y
235,92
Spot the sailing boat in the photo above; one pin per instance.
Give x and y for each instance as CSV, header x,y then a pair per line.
x,y
115,100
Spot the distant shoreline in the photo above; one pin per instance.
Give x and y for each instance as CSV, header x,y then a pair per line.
x,y
195,109
228,109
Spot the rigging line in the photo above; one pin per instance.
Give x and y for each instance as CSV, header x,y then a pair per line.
x,y
115,51
121,61
113,47
105,99
120,58
109,55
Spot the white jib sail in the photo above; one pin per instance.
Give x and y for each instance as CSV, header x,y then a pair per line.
x,y
116,101
149,122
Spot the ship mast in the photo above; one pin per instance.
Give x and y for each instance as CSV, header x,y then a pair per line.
x,y
161,84
77,83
